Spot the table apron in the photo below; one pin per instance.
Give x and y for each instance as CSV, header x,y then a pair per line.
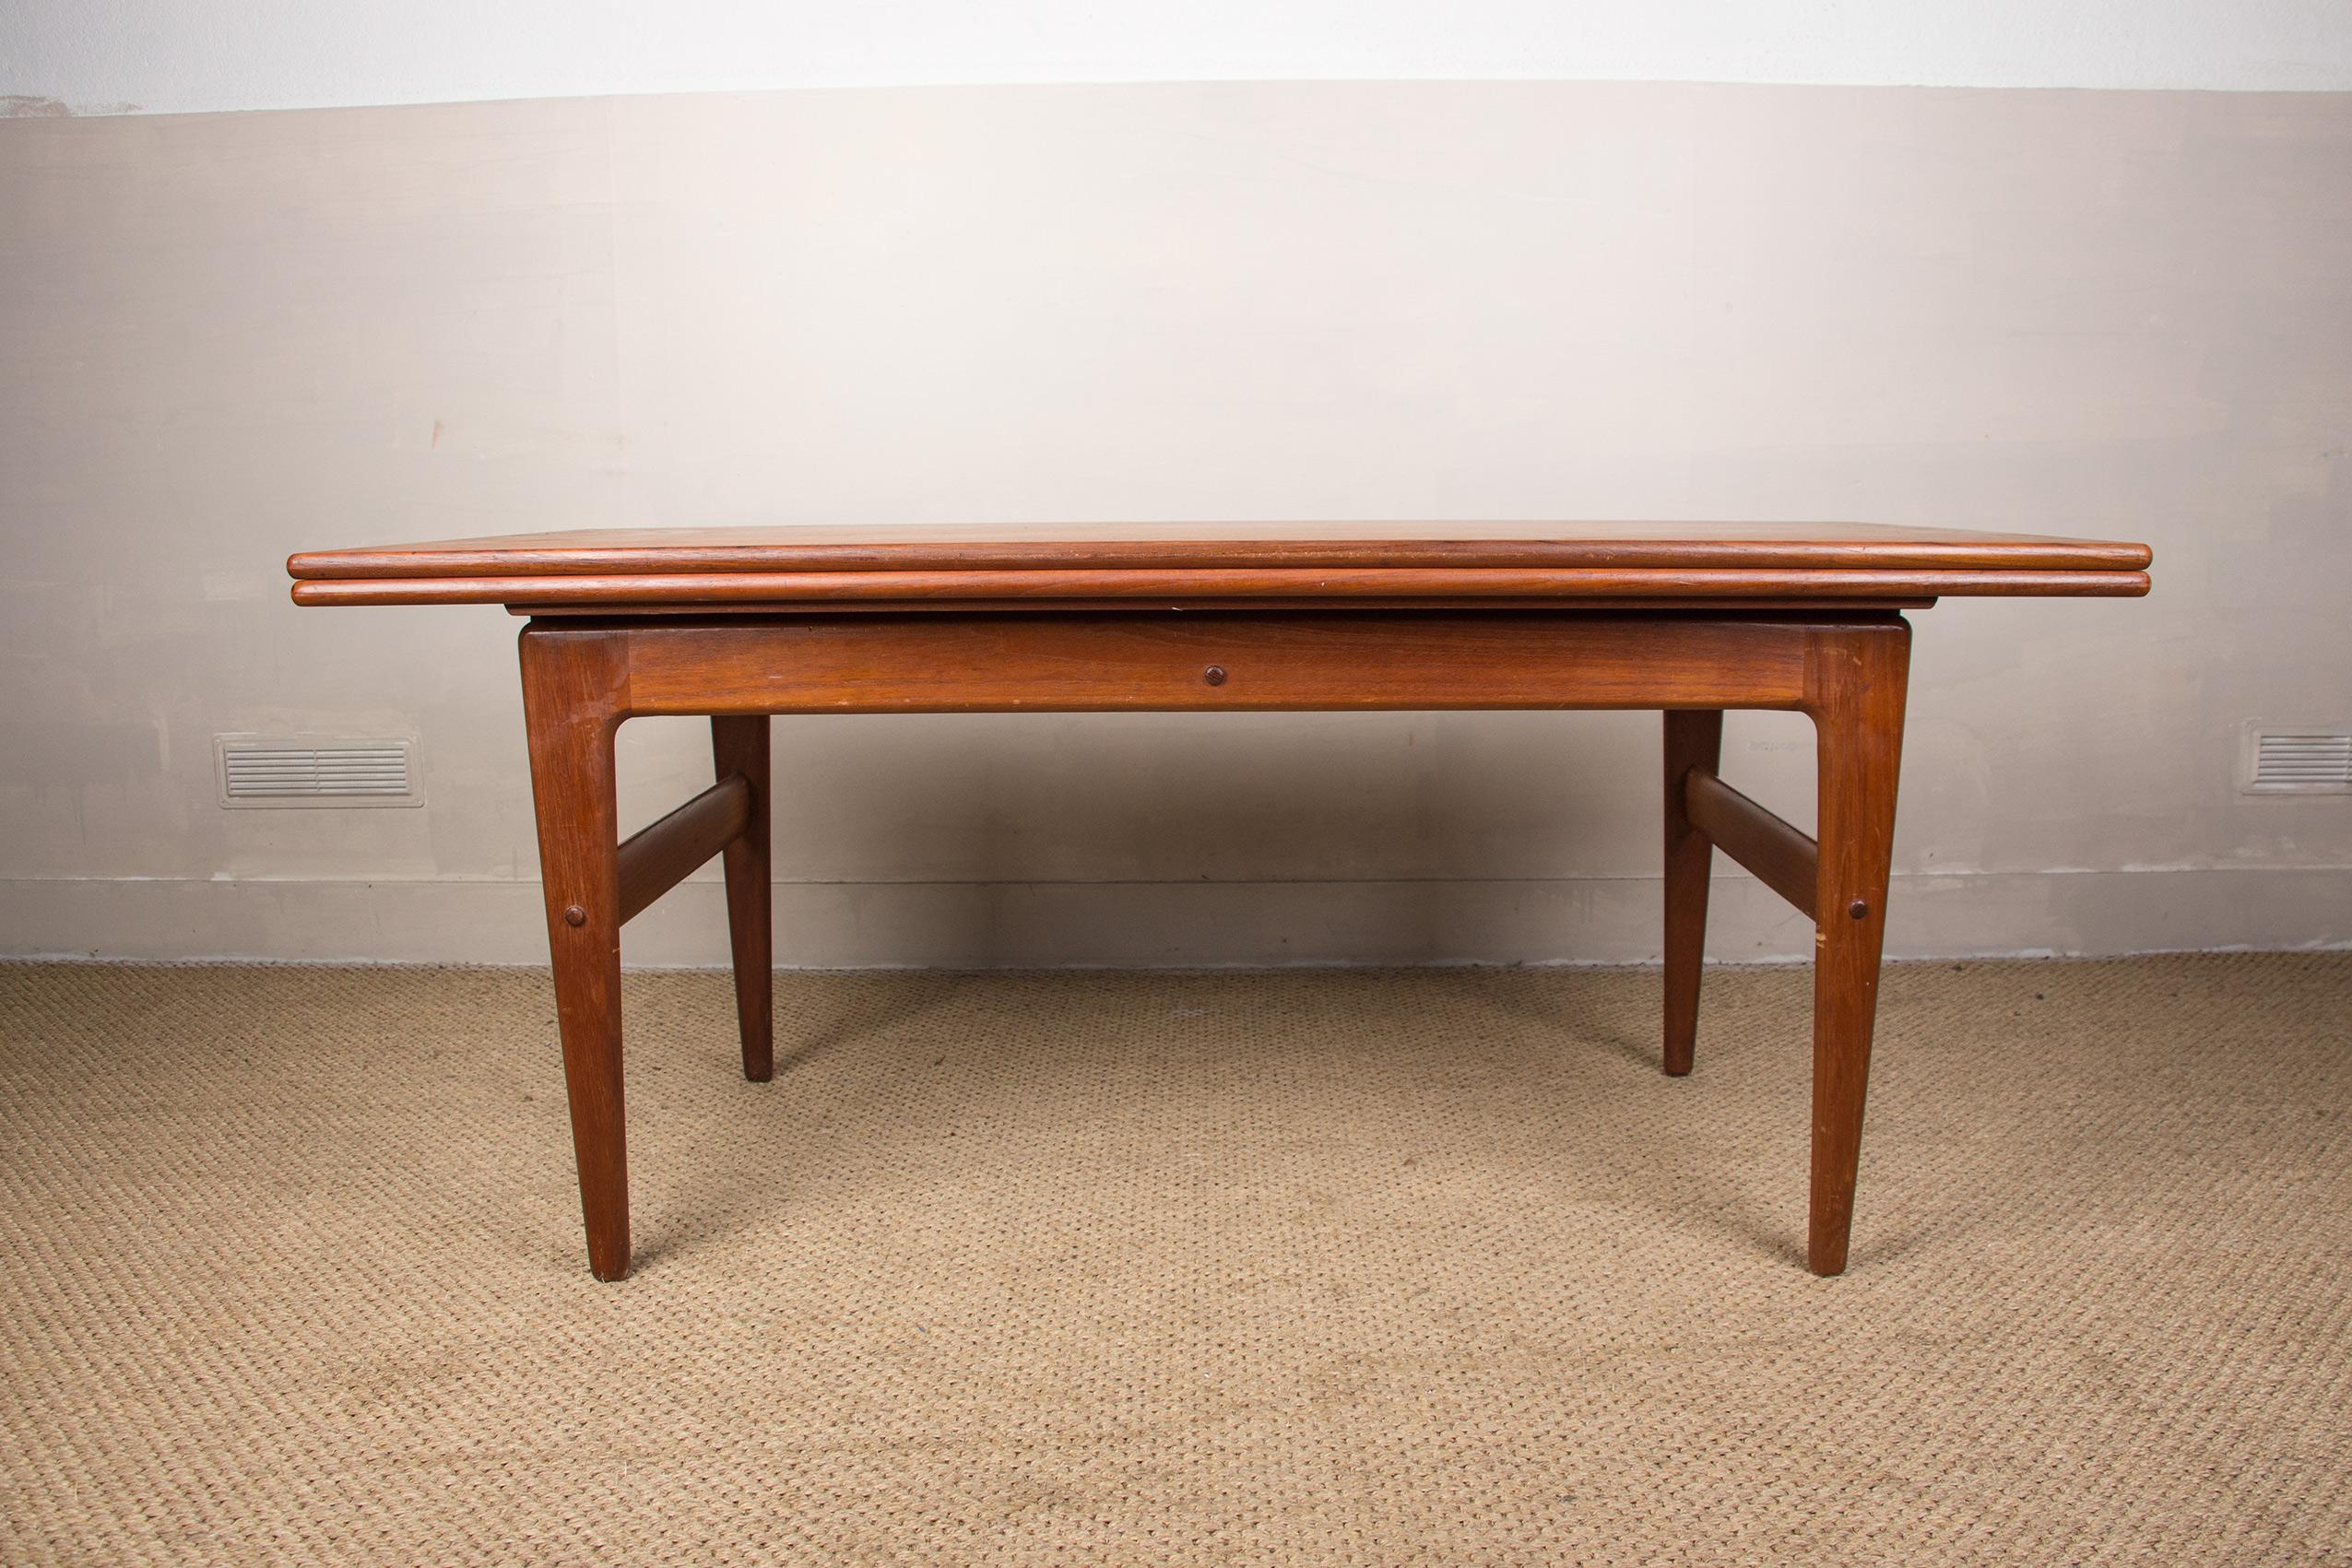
x,y
1326,661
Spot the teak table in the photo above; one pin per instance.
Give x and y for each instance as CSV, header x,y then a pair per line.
x,y
1690,618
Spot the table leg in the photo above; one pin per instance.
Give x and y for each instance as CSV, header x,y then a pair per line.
x,y
740,745
1694,739
572,688
1858,680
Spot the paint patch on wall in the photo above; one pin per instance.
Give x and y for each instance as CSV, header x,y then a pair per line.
x,y
33,106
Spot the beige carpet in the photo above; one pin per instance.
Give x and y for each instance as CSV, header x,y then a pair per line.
x,y
1306,1267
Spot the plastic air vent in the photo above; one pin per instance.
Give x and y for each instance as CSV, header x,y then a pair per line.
x,y
256,773
2282,760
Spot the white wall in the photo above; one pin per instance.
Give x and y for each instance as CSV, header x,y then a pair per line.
x,y
1551,285
110,56
232,337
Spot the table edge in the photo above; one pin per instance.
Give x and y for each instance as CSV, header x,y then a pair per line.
x,y
1043,588
1992,552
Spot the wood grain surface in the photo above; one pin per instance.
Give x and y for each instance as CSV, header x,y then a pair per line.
x,y
1192,563
1190,546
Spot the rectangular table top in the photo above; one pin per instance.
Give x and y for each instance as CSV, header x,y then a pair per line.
x,y
1257,564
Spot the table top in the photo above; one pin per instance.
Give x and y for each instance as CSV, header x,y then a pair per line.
x,y
1138,565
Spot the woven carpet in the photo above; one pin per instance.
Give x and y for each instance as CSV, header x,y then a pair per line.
x,y
1296,1267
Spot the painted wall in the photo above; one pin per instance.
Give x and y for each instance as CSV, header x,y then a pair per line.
x,y
231,336
109,56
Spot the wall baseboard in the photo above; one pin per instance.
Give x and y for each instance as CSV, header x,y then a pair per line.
x,y
959,925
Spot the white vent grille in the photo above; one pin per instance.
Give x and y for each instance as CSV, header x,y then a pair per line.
x,y
316,773
2316,761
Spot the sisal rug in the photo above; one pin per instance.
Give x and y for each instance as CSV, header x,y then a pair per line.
x,y
1316,1267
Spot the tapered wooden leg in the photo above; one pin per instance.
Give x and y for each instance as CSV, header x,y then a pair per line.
x,y
740,745
1694,739
572,686
1858,681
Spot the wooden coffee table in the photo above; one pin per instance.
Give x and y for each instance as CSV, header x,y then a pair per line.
x,y
1690,618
